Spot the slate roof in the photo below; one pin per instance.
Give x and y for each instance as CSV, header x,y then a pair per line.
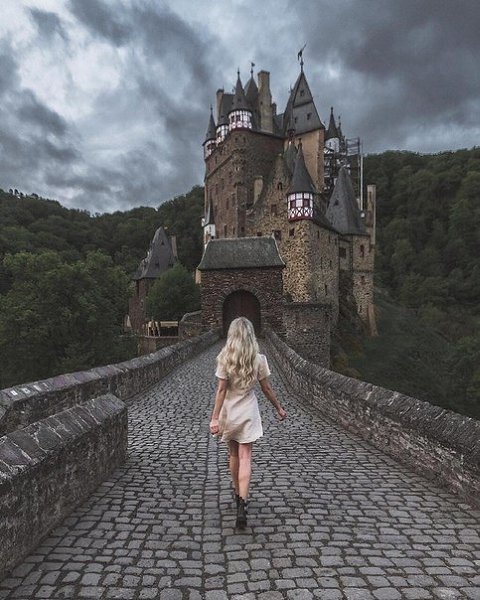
x,y
301,180
301,108
239,101
241,253
332,131
251,91
211,130
290,154
225,108
160,257
343,212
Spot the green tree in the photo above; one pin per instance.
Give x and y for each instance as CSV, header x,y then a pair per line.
x,y
173,294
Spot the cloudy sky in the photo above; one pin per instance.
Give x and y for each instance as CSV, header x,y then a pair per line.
x,y
104,103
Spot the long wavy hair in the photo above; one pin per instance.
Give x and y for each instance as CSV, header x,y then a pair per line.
x,y
238,355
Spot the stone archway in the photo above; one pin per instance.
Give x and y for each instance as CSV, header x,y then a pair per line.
x,y
241,304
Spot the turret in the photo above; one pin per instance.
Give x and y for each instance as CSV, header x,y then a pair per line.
x,y
301,194
332,137
210,137
240,114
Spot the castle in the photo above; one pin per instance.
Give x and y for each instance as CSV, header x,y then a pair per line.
x,y
285,231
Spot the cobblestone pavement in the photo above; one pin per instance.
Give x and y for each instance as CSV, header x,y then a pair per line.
x,y
330,517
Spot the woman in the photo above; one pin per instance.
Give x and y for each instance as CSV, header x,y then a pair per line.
x,y
235,414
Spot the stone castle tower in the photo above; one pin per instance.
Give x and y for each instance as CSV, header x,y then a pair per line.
x,y
288,177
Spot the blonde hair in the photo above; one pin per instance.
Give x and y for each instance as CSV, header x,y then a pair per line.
x,y
239,353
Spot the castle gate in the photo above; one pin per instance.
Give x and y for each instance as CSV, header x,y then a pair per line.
x,y
241,304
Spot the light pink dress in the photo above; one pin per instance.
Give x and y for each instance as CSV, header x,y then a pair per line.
x,y
239,418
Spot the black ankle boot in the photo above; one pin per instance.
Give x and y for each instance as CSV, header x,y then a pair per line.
x,y
236,497
241,514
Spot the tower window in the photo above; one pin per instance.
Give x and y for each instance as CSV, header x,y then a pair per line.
x,y
279,185
362,250
309,116
362,279
259,234
326,288
291,232
227,205
274,209
277,234
330,263
302,93
224,231
342,252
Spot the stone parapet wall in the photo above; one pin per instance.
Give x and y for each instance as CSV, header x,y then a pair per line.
x,y
49,467
439,444
27,403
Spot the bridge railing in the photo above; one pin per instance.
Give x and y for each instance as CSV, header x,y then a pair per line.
x,y
63,436
438,443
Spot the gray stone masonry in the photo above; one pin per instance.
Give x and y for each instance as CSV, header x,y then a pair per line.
x,y
330,516
49,467
438,443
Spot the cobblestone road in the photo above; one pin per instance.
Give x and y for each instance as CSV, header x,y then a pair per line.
x,y
330,517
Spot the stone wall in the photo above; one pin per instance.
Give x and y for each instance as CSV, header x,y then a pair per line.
x,y
30,402
438,443
49,467
265,284
307,330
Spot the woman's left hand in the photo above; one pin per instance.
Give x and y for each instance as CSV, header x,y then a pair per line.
x,y
214,427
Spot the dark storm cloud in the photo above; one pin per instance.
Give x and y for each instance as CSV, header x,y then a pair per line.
x,y
37,114
48,23
103,19
405,66
402,74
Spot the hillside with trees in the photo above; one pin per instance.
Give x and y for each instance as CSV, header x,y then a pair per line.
x,y
427,261
65,279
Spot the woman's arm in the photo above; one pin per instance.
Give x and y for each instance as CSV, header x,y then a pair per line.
x,y
219,399
270,394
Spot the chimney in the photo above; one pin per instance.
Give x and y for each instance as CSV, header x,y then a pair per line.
x,y
265,102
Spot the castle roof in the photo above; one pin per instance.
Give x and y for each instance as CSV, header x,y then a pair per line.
x,y
332,131
224,109
343,212
290,154
301,180
211,130
241,253
239,100
251,91
161,256
301,108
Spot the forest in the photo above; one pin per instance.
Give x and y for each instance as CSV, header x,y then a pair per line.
x,y
65,277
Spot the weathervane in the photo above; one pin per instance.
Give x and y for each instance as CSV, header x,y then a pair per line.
x,y
300,56
252,64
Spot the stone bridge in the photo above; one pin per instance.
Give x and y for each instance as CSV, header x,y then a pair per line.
x,y
331,515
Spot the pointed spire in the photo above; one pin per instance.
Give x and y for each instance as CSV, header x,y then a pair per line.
x,y
343,212
301,180
301,112
212,128
289,155
332,131
251,90
239,101
339,129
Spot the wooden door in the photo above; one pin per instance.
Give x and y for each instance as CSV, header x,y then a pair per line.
x,y
241,304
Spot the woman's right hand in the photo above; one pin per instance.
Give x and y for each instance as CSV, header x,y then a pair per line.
x,y
281,414
214,427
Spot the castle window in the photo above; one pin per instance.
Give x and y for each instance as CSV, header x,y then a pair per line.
x,y
296,119
277,234
302,93
330,263
279,186
309,115
291,232
362,279
227,204
222,183
274,209
342,252
234,231
240,119
242,231
224,231
362,250
259,234
326,288
216,188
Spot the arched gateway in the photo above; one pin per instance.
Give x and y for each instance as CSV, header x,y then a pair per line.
x,y
241,304
242,277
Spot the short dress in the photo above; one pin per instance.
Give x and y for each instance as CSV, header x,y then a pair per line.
x,y
239,418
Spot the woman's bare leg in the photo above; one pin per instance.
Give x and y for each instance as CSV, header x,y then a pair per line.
x,y
233,463
244,469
